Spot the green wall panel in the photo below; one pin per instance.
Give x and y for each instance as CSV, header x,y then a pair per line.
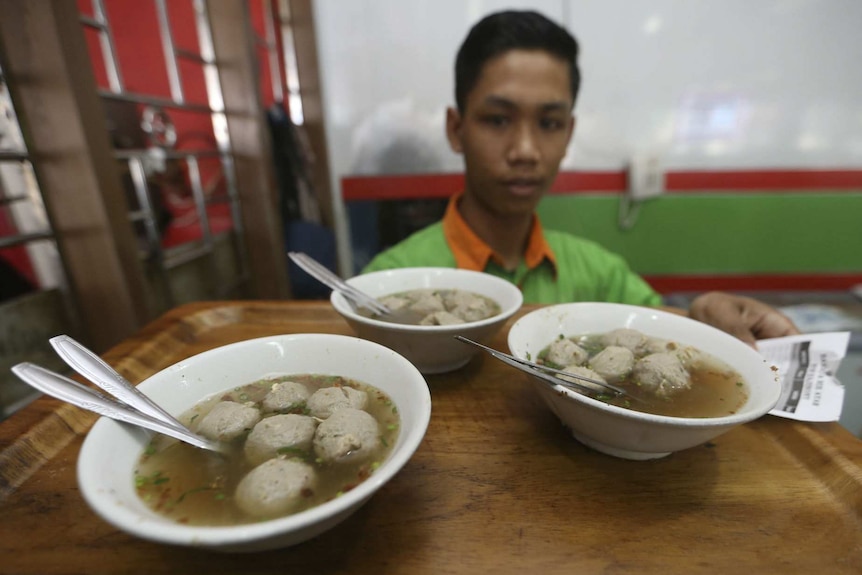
x,y
722,233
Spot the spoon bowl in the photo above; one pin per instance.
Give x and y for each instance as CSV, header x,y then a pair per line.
x,y
70,391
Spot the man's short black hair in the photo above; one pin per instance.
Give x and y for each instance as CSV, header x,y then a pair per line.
x,y
512,30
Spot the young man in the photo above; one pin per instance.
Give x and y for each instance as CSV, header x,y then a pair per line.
x,y
516,81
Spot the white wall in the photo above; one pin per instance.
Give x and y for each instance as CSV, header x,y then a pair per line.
x,y
703,83
720,83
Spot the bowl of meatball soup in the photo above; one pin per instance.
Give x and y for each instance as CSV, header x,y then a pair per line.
x,y
283,405
429,306
679,382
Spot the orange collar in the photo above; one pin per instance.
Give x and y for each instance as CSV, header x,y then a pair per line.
x,y
471,253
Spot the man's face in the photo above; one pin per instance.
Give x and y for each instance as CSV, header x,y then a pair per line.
x,y
514,130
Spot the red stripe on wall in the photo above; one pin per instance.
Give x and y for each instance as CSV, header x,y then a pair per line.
x,y
429,186
414,186
795,282
765,180
568,182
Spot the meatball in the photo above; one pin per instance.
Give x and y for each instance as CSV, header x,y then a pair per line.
x,y
349,435
279,434
456,298
656,345
394,302
327,400
441,318
428,302
468,306
689,356
566,352
661,374
227,420
613,363
624,337
284,396
275,487
584,372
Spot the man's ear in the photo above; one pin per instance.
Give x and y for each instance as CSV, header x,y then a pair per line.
x,y
453,129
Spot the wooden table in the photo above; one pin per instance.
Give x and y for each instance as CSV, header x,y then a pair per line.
x,y
497,486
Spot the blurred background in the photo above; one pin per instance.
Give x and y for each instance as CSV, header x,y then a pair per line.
x,y
159,152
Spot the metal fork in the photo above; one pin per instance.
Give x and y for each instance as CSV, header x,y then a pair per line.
x,y
550,375
322,274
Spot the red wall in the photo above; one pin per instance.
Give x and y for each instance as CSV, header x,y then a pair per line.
x,y
141,61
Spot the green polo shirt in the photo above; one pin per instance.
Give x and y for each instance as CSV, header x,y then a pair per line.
x,y
574,269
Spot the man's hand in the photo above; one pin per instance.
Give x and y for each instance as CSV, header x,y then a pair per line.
x,y
740,316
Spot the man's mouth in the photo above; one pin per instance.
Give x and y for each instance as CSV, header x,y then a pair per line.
x,y
523,186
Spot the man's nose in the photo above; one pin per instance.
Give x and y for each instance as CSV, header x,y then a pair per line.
x,y
524,146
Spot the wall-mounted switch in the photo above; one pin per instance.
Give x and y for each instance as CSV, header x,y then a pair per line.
x,y
645,177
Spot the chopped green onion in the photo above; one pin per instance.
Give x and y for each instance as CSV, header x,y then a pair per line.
x,y
191,491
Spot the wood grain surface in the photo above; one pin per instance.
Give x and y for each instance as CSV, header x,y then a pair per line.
x,y
497,486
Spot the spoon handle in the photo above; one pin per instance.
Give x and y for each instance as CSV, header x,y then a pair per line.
x,y
92,367
322,274
70,391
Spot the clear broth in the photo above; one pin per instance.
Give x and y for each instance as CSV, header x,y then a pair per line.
x,y
716,388
194,486
406,316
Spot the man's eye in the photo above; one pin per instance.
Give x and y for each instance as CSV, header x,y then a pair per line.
x,y
551,124
496,120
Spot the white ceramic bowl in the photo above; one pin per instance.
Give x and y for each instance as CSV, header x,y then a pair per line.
x,y
111,450
630,434
431,348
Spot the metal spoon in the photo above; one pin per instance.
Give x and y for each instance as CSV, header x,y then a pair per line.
x,y
573,381
95,369
70,391
322,274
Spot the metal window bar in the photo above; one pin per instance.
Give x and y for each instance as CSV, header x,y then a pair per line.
x,y
106,41
18,239
13,156
200,199
154,101
166,259
211,75
192,57
219,120
170,52
171,57
5,201
271,44
291,67
20,156
128,153
146,215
